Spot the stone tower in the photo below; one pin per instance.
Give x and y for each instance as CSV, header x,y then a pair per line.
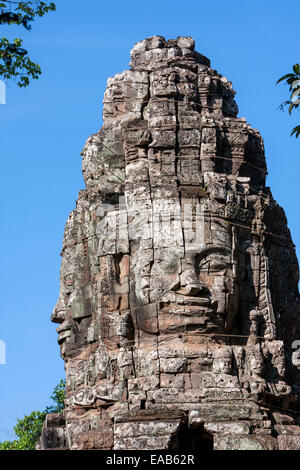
x,y
178,310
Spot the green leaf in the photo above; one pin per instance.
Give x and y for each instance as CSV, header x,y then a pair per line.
x,y
285,77
296,68
296,131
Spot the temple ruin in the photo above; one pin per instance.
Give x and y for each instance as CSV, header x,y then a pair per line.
x,y
178,311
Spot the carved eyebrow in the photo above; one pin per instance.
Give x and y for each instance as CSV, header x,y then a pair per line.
x,y
204,252
218,249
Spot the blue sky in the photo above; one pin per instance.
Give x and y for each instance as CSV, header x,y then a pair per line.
x,y
44,127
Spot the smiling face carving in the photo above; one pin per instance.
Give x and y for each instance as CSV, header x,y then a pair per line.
x,y
167,284
186,287
76,303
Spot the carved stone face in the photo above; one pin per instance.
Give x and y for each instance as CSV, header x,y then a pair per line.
x,y
176,288
73,310
222,363
75,319
255,360
185,287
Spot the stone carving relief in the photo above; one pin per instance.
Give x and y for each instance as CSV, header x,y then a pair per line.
x,y
178,303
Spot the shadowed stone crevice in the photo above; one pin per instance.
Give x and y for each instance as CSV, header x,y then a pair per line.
x,y
197,440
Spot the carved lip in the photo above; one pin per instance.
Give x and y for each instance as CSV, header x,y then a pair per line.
x,y
191,309
60,340
189,300
63,336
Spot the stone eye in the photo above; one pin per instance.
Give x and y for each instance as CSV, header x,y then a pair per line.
x,y
218,265
213,261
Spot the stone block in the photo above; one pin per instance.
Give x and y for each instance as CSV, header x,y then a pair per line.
x,y
222,428
242,442
287,429
223,411
94,440
286,442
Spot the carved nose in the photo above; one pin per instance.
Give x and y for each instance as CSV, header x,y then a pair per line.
x,y
194,289
197,289
59,312
65,326
191,285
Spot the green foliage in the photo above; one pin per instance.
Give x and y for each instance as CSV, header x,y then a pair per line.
x,y
293,80
9,445
26,10
29,429
14,61
58,397
296,131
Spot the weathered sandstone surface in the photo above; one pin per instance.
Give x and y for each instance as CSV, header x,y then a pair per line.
x,y
178,311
